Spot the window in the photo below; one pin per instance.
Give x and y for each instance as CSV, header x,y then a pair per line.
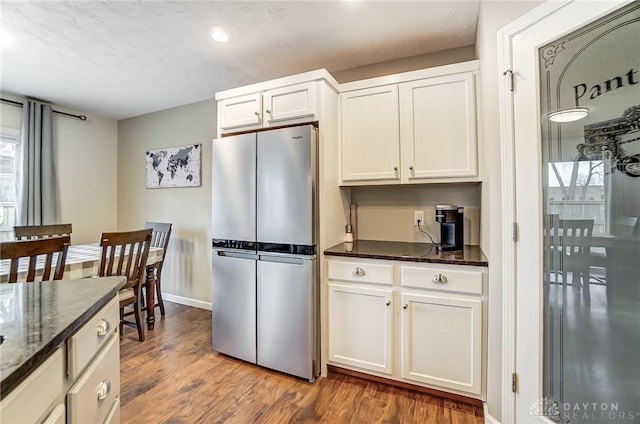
x,y
9,141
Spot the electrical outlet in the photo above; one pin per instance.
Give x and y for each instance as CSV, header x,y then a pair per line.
x,y
418,215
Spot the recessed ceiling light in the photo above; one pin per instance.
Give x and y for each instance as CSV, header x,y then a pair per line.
x,y
568,115
220,36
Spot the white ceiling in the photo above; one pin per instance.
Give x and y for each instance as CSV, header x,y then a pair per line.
x,y
119,59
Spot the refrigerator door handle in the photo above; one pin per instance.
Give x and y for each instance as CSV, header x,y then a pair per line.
x,y
282,259
238,255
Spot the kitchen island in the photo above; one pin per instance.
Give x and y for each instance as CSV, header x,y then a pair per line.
x,y
50,326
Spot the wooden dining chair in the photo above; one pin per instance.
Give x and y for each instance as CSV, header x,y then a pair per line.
x,y
30,232
125,253
575,243
50,248
159,238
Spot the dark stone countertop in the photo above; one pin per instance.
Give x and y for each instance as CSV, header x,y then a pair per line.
x,y
406,251
36,318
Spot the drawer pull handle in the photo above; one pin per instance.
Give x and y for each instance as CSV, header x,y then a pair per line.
x,y
104,388
359,271
103,327
439,279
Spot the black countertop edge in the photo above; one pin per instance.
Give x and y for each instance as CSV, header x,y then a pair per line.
x,y
14,379
408,252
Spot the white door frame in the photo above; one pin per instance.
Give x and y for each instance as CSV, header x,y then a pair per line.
x,y
583,12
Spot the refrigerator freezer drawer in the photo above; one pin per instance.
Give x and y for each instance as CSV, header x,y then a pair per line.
x,y
287,306
234,304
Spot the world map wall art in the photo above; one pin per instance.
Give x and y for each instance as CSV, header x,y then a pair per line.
x,y
174,167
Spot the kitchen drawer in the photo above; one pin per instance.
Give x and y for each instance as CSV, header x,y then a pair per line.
x,y
28,402
57,416
361,272
85,402
452,279
84,344
114,414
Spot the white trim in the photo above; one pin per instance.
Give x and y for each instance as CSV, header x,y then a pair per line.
x,y
507,144
201,304
488,419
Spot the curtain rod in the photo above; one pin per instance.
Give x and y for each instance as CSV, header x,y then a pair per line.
x,y
13,102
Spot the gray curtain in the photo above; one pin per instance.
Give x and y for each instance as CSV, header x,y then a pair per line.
x,y
36,182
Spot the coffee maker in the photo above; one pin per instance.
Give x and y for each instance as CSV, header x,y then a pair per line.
x,y
451,219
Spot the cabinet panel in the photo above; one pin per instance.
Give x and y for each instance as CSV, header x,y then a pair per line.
x,y
438,133
457,280
442,341
57,416
240,111
360,327
370,134
84,344
298,101
92,397
361,272
28,402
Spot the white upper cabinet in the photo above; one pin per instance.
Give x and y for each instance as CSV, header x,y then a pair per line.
x,y
237,112
414,127
438,133
296,99
370,134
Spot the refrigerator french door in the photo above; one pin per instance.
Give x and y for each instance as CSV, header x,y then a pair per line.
x,y
265,290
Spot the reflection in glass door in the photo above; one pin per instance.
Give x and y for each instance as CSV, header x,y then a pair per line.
x,y
590,101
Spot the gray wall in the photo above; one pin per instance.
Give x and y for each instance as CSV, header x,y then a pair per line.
x,y
187,270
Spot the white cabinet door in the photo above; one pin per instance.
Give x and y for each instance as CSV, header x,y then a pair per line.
x,y
370,134
297,101
442,341
240,111
438,132
361,327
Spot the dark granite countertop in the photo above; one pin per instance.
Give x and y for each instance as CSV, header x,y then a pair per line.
x,y
406,251
36,318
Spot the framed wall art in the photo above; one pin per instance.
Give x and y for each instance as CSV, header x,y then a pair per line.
x,y
174,167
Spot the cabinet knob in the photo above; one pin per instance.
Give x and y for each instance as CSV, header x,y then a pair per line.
x,y
395,168
439,279
268,111
405,306
411,168
358,271
388,303
104,388
256,113
102,327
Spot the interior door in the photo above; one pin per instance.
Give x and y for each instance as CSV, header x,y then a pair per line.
x,y
548,36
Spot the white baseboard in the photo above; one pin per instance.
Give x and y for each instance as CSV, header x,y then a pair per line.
x,y
488,419
187,301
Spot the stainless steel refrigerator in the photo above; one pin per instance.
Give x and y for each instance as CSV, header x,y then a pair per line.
x,y
264,230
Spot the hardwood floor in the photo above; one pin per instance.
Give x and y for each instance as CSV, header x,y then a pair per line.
x,y
175,377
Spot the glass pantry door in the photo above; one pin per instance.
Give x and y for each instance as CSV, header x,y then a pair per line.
x,y
590,115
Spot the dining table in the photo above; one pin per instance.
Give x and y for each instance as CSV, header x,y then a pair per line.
x,y
83,261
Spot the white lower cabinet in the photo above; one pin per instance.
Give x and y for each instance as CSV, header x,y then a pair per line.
x,y
86,390
361,327
442,341
407,325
